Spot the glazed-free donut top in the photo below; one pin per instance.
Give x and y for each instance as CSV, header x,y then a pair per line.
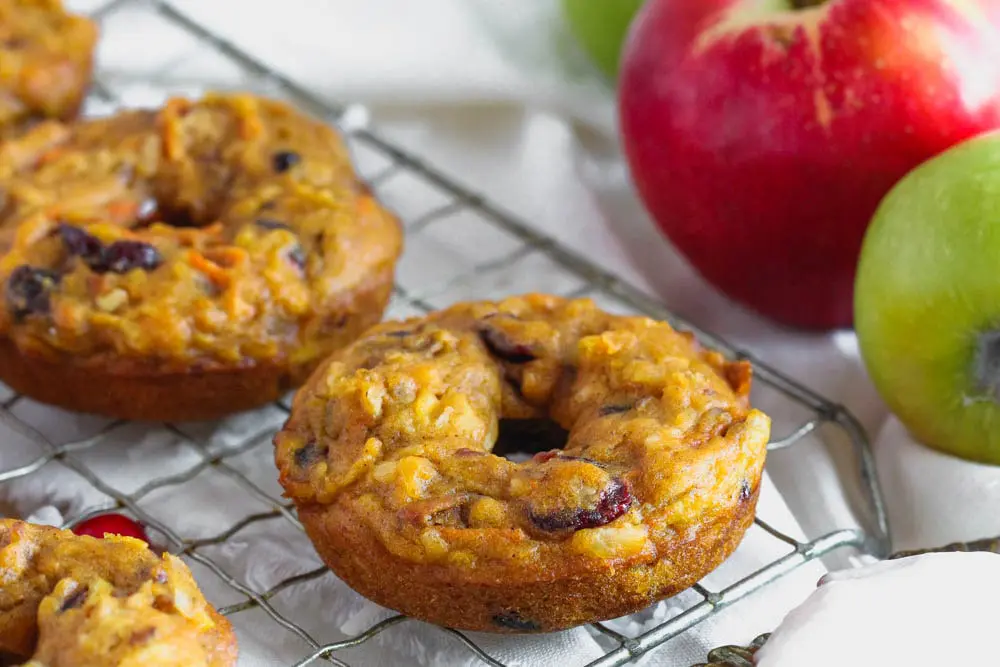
x,y
75,600
398,428
45,59
218,232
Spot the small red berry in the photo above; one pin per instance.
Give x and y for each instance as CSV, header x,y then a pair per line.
x,y
117,524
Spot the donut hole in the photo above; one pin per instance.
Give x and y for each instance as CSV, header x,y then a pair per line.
x,y
519,439
169,213
178,217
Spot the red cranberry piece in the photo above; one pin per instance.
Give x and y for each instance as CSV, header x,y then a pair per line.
x,y
282,161
80,244
29,289
309,454
501,346
116,524
123,256
613,502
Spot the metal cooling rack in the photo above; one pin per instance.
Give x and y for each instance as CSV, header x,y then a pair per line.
x,y
526,255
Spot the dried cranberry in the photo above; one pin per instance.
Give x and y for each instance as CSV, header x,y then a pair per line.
x,y
80,244
297,256
123,256
270,224
75,599
29,289
613,502
514,621
501,346
308,455
282,161
116,524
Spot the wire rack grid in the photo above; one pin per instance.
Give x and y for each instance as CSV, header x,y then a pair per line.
x,y
507,256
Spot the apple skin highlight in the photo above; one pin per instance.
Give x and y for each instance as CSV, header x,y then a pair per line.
x,y
762,137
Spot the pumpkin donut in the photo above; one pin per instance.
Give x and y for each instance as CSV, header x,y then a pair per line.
x,y
388,457
184,263
74,600
46,57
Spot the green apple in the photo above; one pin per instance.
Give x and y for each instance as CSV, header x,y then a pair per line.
x,y
927,300
600,26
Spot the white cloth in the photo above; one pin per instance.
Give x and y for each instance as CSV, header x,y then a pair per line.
x,y
876,615
493,92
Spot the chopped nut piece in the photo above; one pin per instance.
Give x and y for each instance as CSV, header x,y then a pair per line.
x,y
414,473
487,512
611,541
433,543
111,301
385,471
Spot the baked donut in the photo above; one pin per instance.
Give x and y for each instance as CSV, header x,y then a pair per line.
x,y
77,600
186,263
46,56
387,455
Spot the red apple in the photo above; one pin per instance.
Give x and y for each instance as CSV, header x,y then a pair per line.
x,y
762,134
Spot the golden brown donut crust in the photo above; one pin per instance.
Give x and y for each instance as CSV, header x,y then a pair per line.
x,y
46,58
387,457
75,601
185,263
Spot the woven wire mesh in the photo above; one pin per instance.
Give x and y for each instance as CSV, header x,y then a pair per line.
x,y
460,246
